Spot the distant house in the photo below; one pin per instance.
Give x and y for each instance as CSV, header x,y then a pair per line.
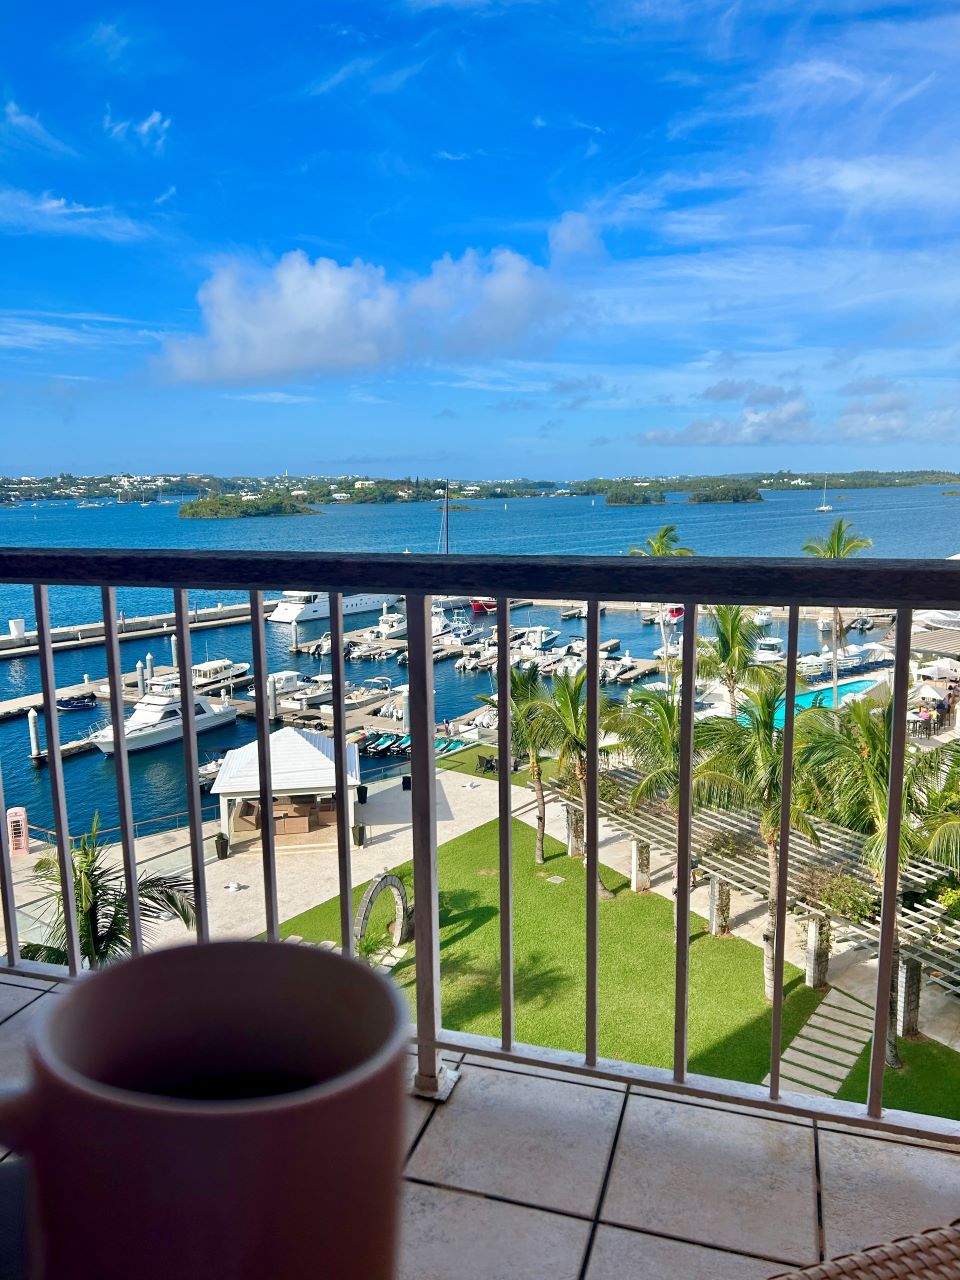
x,y
364,484
340,497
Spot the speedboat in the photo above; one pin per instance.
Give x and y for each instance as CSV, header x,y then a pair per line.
x,y
284,682
323,646
439,623
825,622
158,719
770,649
673,650
864,623
539,639
313,691
306,606
673,614
207,773
77,702
462,630
370,691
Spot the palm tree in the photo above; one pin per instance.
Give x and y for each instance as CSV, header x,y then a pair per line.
x,y
561,719
663,543
839,544
649,732
844,763
742,768
103,919
527,691
728,656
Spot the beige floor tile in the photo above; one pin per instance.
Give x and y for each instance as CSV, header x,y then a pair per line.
x,y
631,1255
27,980
699,1176
447,1235
15,998
517,1136
15,1034
417,1112
874,1191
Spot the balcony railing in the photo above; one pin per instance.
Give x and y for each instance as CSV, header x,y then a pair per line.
x,y
882,584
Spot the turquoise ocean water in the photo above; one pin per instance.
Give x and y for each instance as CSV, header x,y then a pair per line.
x,y
908,522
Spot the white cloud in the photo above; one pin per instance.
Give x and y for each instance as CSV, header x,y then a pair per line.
x,y
151,132
272,397
25,132
575,235
392,81
108,42
164,196
321,317
47,214
349,71
451,155
785,423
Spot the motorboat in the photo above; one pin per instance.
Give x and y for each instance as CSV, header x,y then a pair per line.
x,y
323,646
207,773
825,622
313,691
158,719
284,682
383,744
77,702
389,626
462,630
307,606
206,677
672,651
439,623
539,639
762,617
863,623
374,690
770,649
571,665
673,614
483,604
468,662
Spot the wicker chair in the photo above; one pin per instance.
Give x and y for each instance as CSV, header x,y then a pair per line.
x,y
932,1255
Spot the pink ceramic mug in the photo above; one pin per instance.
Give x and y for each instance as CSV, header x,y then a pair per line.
x,y
224,1112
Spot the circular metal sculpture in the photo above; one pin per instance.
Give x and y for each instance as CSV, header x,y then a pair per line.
x,y
401,928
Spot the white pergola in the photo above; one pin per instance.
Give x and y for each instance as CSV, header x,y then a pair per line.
x,y
301,765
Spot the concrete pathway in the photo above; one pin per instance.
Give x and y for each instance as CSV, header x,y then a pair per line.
x,y
822,1054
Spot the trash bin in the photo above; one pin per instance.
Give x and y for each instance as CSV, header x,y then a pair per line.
x,y
359,832
406,782
222,845
361,794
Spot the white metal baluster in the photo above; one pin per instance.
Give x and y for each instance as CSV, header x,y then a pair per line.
x,y
432,1078
688,669
58,797
341,772
7,897
891,860
783,855
268,842
190,762
591,824
504,784
121,765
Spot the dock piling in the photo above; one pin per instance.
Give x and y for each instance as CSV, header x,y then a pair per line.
x,y
141,679
34,732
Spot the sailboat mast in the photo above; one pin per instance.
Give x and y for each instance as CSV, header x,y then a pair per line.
x,y
446,516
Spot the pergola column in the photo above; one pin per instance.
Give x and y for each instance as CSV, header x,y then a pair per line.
x,y
818,952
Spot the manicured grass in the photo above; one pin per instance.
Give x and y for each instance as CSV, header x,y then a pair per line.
x,y
928,1083
466,762
729,1020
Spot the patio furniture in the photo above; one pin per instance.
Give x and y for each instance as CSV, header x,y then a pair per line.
x,y
932,1255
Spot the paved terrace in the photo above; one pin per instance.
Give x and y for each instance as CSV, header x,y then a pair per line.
x,y
525,1175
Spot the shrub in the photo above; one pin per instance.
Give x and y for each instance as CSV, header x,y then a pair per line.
x,y
949,899
842,893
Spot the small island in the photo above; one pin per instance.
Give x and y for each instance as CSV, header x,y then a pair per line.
x,y
232,506
634,494
733,491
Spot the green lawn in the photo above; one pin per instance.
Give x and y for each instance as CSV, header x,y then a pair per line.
x,y
466,762
729,1020
929,1081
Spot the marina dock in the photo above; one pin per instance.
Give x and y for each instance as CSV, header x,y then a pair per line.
x,y
89,634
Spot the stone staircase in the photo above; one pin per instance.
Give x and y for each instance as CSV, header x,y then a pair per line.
x,y
822,1054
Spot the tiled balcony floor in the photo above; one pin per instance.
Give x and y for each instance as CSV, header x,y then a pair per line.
x,y
526,1175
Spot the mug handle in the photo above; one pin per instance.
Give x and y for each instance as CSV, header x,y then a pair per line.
x,y
18,1112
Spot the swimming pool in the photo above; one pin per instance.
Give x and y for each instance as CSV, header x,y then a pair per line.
x,y
823,696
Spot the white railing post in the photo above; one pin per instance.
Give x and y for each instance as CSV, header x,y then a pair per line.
x,y
341,775
505,816
688,698
591,827
891,860
121,765
57,793
432,1079
8,900
268,842
783,853
191,763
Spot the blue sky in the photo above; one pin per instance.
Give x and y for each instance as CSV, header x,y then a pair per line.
x,y
489,239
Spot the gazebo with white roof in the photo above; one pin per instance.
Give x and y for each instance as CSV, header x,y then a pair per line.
x,y
302,782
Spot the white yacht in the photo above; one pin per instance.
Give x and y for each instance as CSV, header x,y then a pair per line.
x,y
285,682
462,630
439,622
762,617
673,650
540,639
306,606
770,649
390,626
158,719
213,674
